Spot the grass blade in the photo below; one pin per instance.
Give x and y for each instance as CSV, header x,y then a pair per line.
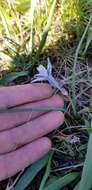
x,y
5,20
12,76
47,108
15,16
62,181
46,30
30,173
32,11
89,39
22,6
86,180
48,169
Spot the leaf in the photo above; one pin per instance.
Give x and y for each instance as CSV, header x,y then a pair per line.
x,y
22,6
12,76
41,108
5,20
45,31
51,180
76,187
88,126
86,180
30,173
47,172
32,16
90,107
18,24
89,39
62,181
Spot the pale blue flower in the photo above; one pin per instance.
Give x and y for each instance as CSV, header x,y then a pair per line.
x,y
46,75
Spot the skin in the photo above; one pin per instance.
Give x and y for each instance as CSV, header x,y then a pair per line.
x,y
23,135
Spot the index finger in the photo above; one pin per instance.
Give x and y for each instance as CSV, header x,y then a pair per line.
x,y
16,95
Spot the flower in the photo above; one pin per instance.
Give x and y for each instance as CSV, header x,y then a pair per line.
x,y
46,75
72,139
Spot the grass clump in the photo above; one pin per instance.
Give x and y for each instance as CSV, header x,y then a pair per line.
x,y
30,31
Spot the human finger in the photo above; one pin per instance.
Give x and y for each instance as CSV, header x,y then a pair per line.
x,y
16,95
12,163
12,139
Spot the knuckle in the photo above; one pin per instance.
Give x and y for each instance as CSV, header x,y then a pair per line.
x,y
59,100
12,140
60,117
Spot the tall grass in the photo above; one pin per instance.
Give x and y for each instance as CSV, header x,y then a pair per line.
x,y
26,30
25,25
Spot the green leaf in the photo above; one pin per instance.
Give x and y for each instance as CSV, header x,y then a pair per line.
x,y
5,20
22,6
32,16
45,31
62,181
18,24
30,173
12,76
90,107
86,180
51,180
47,172
76,187
41,108
89,39
88,126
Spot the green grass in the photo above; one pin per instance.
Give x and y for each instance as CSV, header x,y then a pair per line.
x,y
30,31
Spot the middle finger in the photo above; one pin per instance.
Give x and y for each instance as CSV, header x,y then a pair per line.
x,y
14,138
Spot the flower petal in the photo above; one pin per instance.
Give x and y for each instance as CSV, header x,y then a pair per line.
x,y
38,75
53,82
38,79
49,67
42,70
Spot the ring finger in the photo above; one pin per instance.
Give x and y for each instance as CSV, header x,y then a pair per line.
x,y
28,132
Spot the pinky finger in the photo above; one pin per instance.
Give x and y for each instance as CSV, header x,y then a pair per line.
x,y
13,162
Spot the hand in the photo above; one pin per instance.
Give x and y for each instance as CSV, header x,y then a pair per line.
x,y
21,134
